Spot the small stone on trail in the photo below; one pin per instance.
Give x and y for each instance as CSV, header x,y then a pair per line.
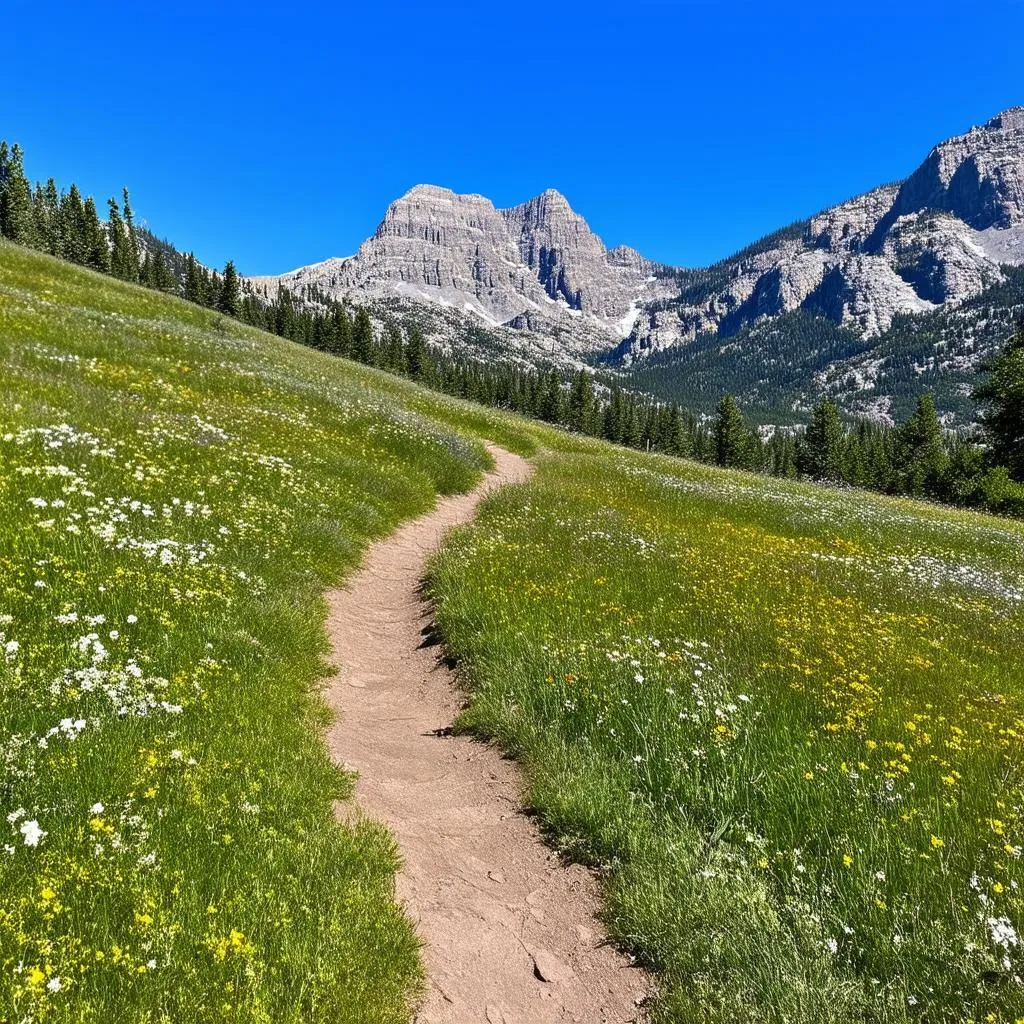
x,y
495,876
549,968
584,934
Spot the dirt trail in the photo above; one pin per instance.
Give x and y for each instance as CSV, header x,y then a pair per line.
x,y
510,934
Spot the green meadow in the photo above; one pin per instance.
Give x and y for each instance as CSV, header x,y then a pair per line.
x,y
784,722
176,491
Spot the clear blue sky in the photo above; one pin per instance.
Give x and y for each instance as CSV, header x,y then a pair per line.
x,y
276,133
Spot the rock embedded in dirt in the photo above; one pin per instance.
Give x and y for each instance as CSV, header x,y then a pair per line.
x,y
549,968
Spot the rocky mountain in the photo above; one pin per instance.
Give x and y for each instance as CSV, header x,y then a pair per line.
x,y
940,237
544,285
536,267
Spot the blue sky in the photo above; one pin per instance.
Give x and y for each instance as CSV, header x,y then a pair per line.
x,y
277,134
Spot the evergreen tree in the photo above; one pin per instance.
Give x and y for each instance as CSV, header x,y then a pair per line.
x,y
211,289
581,403
131,240
193,281
1002,395
50,218
823,447
161,277
120,254
732,441
415,354
73,228
612,420
922,454
341,336
95,249
229,296
394,350
16,220
362,337
44,217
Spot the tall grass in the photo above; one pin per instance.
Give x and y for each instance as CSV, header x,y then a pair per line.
x,y
175,493
786,721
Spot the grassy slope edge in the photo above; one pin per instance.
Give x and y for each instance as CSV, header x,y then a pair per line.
x,y
176,491
786,720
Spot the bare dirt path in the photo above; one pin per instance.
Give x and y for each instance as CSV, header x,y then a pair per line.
x,y
510,934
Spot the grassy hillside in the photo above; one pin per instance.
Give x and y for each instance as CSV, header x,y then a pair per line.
x,y
787,720
175,493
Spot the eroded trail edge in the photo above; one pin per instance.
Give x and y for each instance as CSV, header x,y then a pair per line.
x,y
510,933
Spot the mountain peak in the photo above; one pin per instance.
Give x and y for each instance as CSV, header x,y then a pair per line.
x,y
1011,119
436,193
552,197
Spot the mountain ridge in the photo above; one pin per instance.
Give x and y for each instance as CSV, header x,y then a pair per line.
x,y
931,241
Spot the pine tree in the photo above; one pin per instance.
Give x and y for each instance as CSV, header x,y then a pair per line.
x,y
211,289
163,278
96,250
1002,396
415,354
193,281
732,440
394,350
923,457
48,219
551,397
342,333
824,443
580,413
16,221
229,297
73,228
362,337
132,242
120,255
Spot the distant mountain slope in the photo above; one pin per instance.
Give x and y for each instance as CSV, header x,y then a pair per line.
x,y
780,366
814,306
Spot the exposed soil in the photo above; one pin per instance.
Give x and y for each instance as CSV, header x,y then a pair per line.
x,y
510,934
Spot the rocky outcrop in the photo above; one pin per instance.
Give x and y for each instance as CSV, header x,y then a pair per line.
x,y
977,177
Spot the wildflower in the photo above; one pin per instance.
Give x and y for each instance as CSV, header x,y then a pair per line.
x,y
31,832
1002,932
937,842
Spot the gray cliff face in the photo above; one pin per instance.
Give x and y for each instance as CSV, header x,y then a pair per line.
x,y
977,177
570,261
937,239
535,267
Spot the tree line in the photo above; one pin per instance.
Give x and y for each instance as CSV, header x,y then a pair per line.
x,y
916,458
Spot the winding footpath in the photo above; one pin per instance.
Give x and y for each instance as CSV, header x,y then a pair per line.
x,y
510,934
